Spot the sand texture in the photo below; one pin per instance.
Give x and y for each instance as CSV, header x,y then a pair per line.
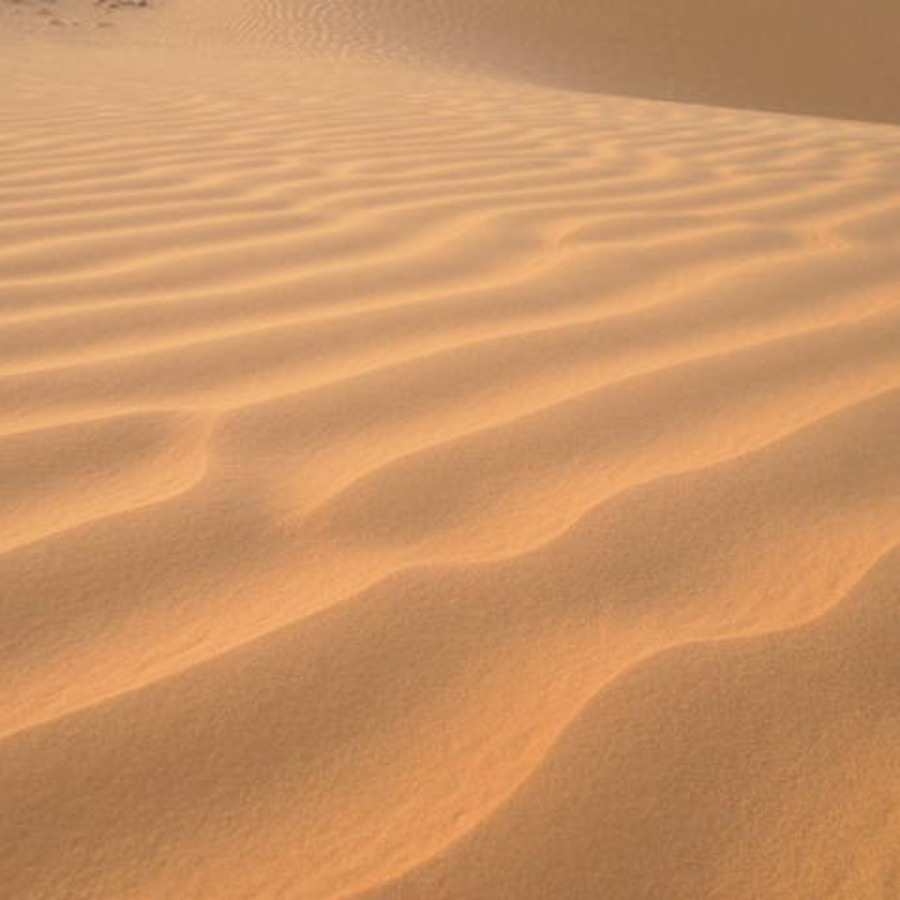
x,y
449,450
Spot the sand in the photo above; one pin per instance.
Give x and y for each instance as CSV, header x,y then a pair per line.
x,y
449,450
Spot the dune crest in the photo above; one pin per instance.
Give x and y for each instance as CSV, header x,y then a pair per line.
x,y
429,472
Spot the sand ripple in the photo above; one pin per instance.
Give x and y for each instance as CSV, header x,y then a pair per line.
x,y
425,485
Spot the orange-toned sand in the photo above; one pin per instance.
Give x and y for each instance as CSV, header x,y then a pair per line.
x,y
428,472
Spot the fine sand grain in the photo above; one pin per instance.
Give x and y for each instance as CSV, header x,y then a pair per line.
x,y
436,465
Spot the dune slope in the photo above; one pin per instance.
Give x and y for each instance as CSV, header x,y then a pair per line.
x,y
423,479
823,57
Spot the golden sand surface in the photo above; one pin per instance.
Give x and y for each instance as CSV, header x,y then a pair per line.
x,y
449,450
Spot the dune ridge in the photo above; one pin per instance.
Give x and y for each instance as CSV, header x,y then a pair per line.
x,y
428,476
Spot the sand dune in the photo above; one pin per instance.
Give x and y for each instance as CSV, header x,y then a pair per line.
x,y
827,57
428,474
